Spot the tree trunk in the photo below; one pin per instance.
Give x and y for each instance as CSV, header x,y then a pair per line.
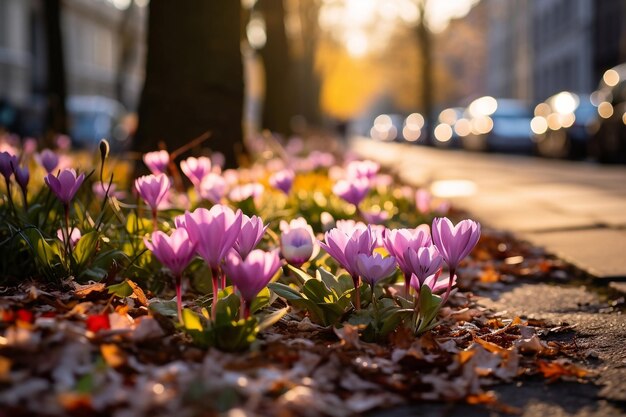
x,y
424,40
194,77
275,54
56,113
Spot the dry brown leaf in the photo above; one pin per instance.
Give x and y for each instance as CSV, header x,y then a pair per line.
x,y
561,369
113,355
85,290
137,293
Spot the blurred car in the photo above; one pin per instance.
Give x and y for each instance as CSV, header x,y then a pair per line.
x,y
451,126
388,127
498,125
562,125
92,118
608,143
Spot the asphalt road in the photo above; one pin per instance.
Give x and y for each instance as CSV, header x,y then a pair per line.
x,y
576,210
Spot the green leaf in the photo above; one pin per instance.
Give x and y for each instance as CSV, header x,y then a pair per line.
x,y
316,291
122,289
329,280
44,251
429,304
92,274
165,308
297,300
272,318
227,310
191,320
262,300
85,248
304,277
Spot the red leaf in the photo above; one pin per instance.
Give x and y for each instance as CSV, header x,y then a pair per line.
x,y
97,322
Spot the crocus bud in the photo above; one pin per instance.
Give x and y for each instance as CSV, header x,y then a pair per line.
x,y
7,164
22,176
297,241
49,160
196,168
104,149
455,242
252,230
74,236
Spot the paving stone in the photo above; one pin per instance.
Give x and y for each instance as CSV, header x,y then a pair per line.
x,y
601,252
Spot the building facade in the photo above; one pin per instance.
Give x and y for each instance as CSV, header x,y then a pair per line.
x,y
103,44
562,39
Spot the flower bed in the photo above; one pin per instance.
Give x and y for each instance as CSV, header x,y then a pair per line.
x,y
302,287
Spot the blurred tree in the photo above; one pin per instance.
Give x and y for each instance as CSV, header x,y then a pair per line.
x,y
127,51
277,111
56,113
194,77
424,41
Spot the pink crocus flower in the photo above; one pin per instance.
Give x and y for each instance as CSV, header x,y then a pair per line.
x,y
373,268
49,160
252,230
362,169
212,187
353,191
29,146
175,252
100,189
63,142
375,217
74,235
196,168
397,241
297,241
157,161
283,180
214,233
252,274
65,185
423,262
243,192
454,242
344,248
153,189
423,200
433,282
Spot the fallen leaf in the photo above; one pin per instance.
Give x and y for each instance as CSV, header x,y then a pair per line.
x,y
113,355
560,369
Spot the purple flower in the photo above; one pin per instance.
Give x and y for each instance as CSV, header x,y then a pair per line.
x,y
397,241
423,262
375,267
433,282
423,200
345,246
65,185
353,191
196,168
100,188
362,169
7,164
252,274
63,142
174,252
22,176
152,189
212,187
243,192
252,230
297,241
49,160
455,242
283,180
74,236
157,161
375,217
213,231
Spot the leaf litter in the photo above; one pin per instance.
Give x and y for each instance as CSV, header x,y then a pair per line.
x,y
88,352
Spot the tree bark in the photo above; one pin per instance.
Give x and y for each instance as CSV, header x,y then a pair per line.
x,y
56,113
194,77
275,54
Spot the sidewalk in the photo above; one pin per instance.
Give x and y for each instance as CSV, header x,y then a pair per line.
x,y
575,210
